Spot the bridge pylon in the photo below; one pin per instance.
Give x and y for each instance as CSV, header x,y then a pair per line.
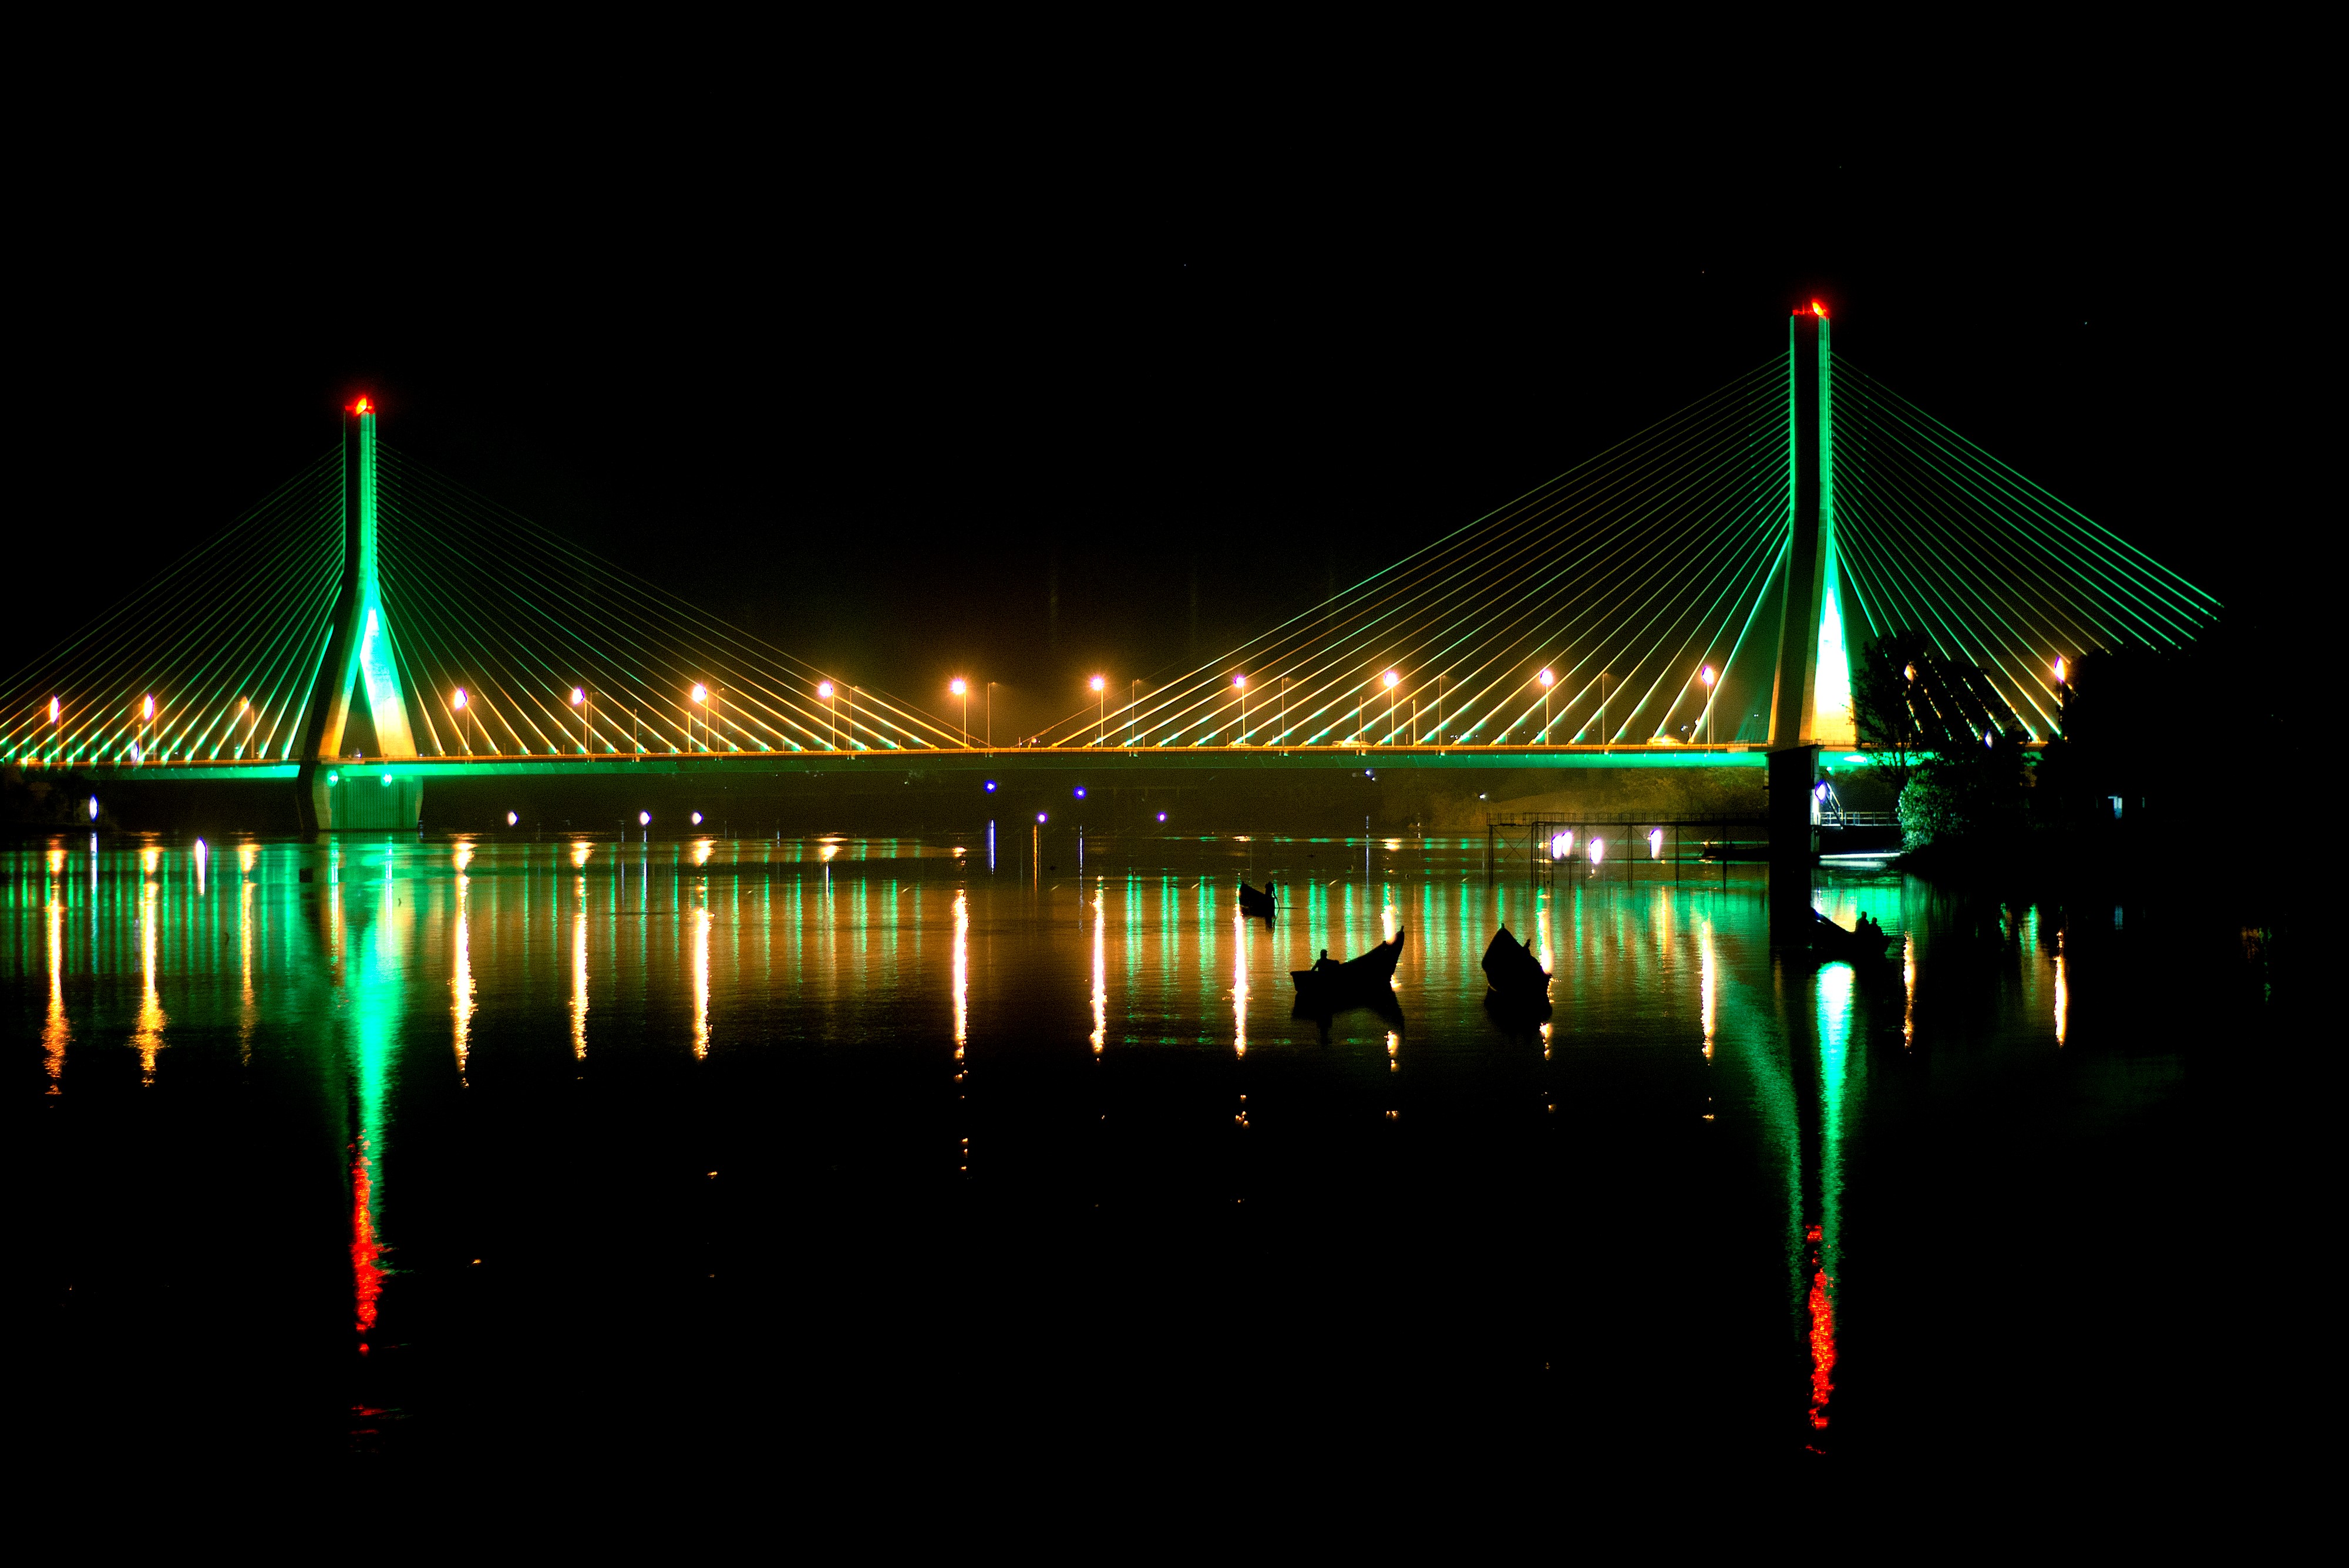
x,y
333,790
1810,698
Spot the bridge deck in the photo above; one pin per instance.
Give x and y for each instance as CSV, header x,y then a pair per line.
x,y
1104,761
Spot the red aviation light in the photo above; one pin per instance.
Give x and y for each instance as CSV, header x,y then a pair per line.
x,y
363,406
1818,310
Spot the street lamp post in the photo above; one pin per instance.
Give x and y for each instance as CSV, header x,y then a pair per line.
x,y
823,689
463,738
1604,679
586,724
1101,717
1546,678
1133,712
2062,695
700,698
991,715
1392,678
1239,684
1706,676
961,689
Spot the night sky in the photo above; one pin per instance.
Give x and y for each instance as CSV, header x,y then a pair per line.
x,y
927,396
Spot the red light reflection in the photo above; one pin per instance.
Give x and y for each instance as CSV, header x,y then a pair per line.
x,y
1823,1346
366,1272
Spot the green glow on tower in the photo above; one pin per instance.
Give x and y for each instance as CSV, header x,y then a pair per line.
x,y
1831,720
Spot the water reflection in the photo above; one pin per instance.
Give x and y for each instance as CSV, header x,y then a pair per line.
x,y
797,943
460,978
1825,1237
147,1038
55,1033
1101,973
2063,993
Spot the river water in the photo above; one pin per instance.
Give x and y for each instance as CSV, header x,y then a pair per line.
x,y
382,1145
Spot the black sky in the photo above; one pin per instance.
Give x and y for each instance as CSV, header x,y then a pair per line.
x,y
965,389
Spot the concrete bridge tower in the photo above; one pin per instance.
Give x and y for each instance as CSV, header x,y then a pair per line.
x,y
360,656
1810,700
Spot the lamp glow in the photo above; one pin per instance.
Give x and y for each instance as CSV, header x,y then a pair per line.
x,y
577,696
1706,676
957,686
2059,670
823,689
1098,683
1547,677
701,692
644,819
148,711
1391,677
512,818
458,700
1240,681
53,709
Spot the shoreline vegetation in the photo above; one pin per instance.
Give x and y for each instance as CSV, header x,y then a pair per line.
x,y
2128,785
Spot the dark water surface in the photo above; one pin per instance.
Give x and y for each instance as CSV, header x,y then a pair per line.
x,y
567,1146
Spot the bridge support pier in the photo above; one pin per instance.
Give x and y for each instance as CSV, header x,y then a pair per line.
x,y
359,799
1794,811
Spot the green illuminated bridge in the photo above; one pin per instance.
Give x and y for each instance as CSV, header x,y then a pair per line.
x,y
1685,598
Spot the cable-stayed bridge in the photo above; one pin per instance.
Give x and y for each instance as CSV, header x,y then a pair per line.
x,y
1690,597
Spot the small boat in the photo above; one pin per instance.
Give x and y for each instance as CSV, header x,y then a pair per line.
x,y
1831,942
1352,983
1513,972
1261,905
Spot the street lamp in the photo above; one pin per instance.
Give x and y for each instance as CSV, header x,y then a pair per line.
x,y
147,727
1546,678
823,692
1392,678
2062,695
1706,676
1239,684
1133,712
700,697
458,704
990,714
587,736
1101,720
961,689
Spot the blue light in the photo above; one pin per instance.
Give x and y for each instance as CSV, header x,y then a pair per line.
x,y
1162,816
990,786
1081,792
1039,816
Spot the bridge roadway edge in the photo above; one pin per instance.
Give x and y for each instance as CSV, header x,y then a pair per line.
x,y
1325,790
